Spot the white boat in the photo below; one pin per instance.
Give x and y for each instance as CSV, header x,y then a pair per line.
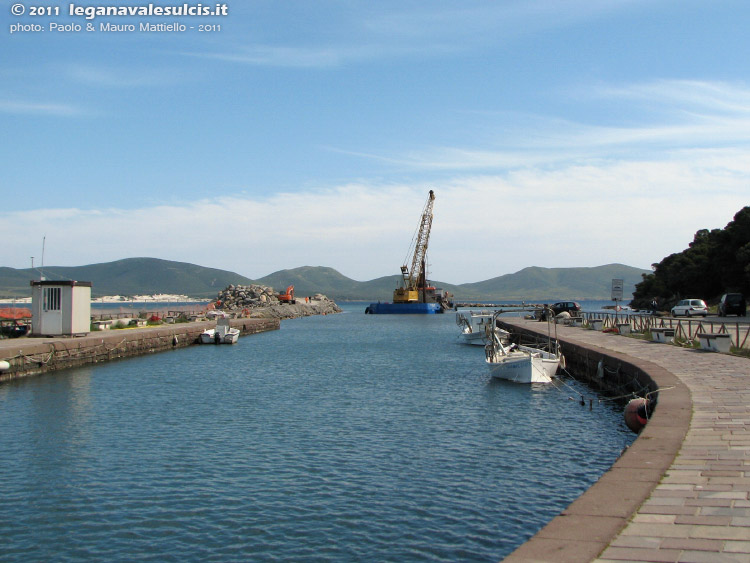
x,y
476,326
207,336
522,364
222,334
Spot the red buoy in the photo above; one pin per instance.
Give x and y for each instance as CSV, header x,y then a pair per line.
x,y
637,413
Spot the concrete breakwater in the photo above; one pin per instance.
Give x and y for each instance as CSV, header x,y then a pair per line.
x,y
34,356
251,309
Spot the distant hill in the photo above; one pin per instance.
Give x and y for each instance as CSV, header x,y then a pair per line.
x,y
138,276
131,276
553,284
309,280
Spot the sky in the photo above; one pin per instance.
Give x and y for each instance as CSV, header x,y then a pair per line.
x,y
554,133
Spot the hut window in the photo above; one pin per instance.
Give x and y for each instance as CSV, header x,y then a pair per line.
x,y
52,298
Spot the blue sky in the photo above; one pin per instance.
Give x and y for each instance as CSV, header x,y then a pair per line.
x,y
555,133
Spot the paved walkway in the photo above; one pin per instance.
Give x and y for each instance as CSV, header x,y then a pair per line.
x,y
681,491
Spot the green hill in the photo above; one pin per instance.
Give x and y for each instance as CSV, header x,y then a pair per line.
x,y
309,280
15,283
137,276
552,284
131,276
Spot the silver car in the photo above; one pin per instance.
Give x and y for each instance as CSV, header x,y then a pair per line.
x,y
690,308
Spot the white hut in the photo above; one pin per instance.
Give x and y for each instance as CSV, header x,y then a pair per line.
x,y
60,308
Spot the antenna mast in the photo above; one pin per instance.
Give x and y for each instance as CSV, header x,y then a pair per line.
x,y
41,268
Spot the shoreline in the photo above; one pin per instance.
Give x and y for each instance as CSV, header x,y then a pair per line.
x,y
33,356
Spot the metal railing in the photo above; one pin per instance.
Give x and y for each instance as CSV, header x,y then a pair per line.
x,y
687,328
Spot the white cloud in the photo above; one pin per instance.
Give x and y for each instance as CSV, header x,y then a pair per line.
x,y
630,212
683,115
279,56
389,30
684,95
24,107
484,22
117,77
564,200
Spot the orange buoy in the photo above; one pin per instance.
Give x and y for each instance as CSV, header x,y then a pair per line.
x,y
637,413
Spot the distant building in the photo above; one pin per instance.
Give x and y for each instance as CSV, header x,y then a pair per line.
x,y
60,308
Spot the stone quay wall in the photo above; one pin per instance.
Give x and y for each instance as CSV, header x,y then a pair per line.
x,y
29,356
620,499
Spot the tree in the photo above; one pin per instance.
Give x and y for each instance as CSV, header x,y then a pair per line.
x,y
716,261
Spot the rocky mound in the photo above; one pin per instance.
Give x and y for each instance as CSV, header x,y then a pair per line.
x,y
261,301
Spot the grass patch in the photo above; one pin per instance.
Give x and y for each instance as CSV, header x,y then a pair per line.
x,y
741,352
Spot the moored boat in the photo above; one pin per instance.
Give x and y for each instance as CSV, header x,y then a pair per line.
x,y
222,334
476,326
522,364
207,336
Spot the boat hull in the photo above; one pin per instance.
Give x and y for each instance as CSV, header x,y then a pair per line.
x,y
524,367
231,337
404,308
473,338
214,336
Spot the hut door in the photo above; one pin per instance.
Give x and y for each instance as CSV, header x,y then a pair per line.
x,y
51,310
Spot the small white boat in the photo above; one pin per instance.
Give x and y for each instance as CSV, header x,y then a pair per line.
x,y
522,364
476,326
222,334
207,336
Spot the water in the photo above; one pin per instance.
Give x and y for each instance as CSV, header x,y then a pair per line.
x,y
346,437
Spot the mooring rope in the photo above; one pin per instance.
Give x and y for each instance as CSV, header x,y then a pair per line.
x,y
639,393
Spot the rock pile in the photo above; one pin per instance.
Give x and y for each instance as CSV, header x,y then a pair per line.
x,y
261,301
245,297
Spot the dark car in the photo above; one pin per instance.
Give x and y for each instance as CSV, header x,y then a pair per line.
x,y
732,304
560,307
14,330
566,307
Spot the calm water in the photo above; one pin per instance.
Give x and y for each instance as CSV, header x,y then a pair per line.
x,y
348,437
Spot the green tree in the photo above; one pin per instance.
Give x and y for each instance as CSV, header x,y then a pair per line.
x,y
716,261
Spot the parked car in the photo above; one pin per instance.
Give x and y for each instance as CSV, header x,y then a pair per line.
x,y
566,307
14,329
561,306
732,304
690,308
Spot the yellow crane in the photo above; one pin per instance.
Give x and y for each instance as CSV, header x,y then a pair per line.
x,y
414,278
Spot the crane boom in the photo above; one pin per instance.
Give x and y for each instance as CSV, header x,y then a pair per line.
x,y
415,278
417,271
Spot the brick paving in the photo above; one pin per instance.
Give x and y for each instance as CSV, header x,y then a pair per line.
x,y
681,493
